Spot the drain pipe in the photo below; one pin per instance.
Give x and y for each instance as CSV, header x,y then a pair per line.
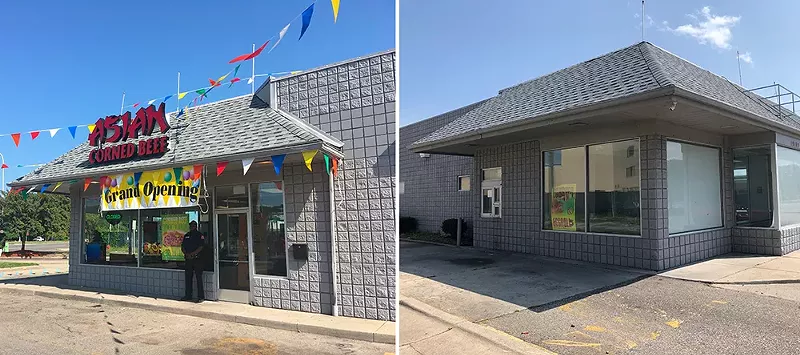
x,y
334,261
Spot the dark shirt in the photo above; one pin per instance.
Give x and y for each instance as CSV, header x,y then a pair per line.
x,y
191,241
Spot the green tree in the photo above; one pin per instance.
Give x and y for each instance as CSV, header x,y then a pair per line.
x,y
21,216
54,216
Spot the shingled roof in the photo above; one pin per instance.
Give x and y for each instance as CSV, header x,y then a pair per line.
x,y
624,73
239,127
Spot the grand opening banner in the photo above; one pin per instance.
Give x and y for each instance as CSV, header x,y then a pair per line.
x,y
165,188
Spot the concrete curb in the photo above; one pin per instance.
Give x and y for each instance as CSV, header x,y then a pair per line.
x,y
490,334
428,242
372,331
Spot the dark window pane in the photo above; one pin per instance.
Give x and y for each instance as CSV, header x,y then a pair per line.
x,y
487,201
269,230
110,238
752,184
613,199
230,196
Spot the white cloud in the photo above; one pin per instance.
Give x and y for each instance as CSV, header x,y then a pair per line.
x,y
710,28
745,57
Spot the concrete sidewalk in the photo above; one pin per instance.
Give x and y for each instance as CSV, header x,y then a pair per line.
x,y
776,276
340,327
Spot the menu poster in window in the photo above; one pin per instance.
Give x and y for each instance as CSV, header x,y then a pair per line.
x,y
173,228
562,207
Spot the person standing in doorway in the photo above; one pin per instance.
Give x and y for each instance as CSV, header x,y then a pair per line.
x,y
192,245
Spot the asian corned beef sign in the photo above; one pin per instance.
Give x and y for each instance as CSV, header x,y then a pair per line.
x,y
120,129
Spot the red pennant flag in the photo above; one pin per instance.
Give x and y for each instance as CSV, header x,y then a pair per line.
x,y
335,166
104,182
34,134
198,169
249,56
235,80
221,167
4,166
15,137
213,83
135,105
86,183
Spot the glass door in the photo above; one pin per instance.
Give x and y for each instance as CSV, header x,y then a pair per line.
x,y
233,262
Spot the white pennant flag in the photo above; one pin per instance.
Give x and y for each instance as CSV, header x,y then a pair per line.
x,y
53,132
250,81
283,33
246,164
34,186
151,102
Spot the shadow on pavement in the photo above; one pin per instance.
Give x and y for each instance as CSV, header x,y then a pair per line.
x,y
480,284
61,281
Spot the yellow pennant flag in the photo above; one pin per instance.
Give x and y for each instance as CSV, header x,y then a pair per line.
x,y
223,77
308,156
58,184
295,72
91,127
335,4
181,95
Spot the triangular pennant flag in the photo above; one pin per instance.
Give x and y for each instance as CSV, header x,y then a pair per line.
x,y
136,105
306,20
20,166
44,188
221,167
236,70
58,184
178,175
24,194
4,166
31,189
223,78
246,164
234,80
34,134
308,157
104,182
277,162
250,81
182,95
91,127
72,130
54,131
151,102
283,33
15,137
180,113
249,56
327,163
167,98
200,91
198,169
335,5
73,181
136,177
335,167
86,183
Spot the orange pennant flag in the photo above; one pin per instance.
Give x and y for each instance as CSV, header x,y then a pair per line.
x,y
15,137
335,166
86,183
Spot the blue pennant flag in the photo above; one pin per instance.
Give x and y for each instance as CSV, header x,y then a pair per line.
x,y
44,188
136,177
277,162
72,130
306,20
167,98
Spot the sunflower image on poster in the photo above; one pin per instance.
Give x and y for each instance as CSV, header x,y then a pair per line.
x,y
562,207
173,228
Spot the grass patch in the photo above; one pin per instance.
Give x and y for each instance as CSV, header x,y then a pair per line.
x,y
429,237
8,265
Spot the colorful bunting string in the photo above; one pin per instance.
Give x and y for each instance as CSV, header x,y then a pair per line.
x,y
246,163
277,162
221,167
308,157
306,20
335,6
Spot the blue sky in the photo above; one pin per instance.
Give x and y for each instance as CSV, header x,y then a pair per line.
x,y
456,52
67,63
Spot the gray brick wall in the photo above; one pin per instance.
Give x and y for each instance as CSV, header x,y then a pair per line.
x,y
432,183
354,101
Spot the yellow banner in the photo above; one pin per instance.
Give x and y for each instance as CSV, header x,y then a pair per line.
x,y
172,187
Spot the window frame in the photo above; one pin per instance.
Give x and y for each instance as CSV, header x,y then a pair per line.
x,y
721,183
469,183
773,180
252,253
586,162
496,186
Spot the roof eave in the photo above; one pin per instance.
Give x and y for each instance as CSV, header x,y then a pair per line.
x,y
331,150
542,121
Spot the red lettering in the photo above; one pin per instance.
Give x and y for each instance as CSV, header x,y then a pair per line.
x,y
111,125
98,135
142,148
91,157
164,143
149,145
154,116
115,152
136,124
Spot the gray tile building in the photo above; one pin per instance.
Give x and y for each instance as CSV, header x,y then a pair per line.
x,y
297,239
636,158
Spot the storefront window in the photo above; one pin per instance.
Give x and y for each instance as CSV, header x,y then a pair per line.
x,y
693,187
162,235
491,191
752,184
565,190
269,229
788,186
613,199
110,238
